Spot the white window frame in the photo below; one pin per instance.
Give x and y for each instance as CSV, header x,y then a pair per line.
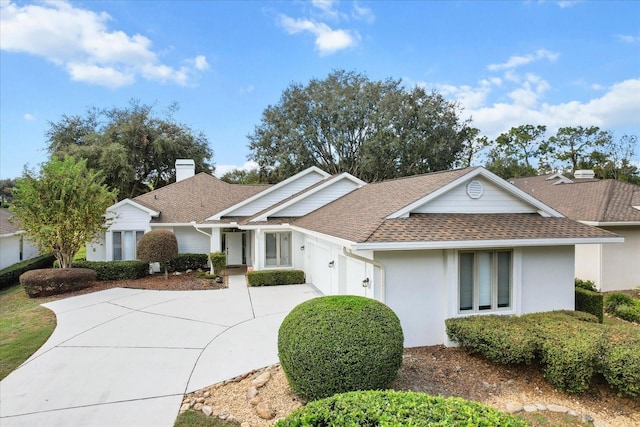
x,y
475,307
278,237
123,248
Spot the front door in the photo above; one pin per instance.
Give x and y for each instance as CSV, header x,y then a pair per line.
x,y
233,248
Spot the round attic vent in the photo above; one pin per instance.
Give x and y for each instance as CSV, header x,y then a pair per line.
x,y
475,189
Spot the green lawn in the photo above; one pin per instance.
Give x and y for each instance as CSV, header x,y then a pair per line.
x,y
24,326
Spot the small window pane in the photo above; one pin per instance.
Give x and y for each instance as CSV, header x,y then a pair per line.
x,y
271,249
485,279
117,246
466,281
285,249
504,279
129,246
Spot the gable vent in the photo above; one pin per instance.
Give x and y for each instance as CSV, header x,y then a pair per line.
x,y
475,189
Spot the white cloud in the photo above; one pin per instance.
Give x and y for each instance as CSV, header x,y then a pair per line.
x,y
247,89
628,39
328,40
222,169
326,6
518,61
363,13
618,107
80,41
29,117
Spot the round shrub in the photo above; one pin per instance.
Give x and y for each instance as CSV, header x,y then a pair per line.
x,y
54,281
335,344
158,246
615,299
396,408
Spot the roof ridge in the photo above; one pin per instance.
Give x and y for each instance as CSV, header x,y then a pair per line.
x,y
423,174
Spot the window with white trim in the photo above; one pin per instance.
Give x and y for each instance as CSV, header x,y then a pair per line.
x,y
277,249
125,244
484,280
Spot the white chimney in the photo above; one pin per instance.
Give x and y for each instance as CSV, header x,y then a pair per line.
x,y
185,168
584,174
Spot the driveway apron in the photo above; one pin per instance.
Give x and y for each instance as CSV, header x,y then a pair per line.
x,y
126,357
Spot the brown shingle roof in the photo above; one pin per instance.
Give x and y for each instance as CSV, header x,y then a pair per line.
x,y
358,214
470,227
195,198
605,200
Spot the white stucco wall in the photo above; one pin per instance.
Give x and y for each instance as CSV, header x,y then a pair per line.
x,y
547,279
588,264
10,250
416,291
191,241
621,262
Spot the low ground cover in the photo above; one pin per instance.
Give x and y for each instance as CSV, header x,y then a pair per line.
x,y
25,326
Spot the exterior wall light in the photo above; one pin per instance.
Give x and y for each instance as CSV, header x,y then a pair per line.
x,y
366,282
331,264
302,248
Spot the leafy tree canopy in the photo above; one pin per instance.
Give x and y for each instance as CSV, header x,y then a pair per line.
x,y
134,148
243,176
347,123
62,207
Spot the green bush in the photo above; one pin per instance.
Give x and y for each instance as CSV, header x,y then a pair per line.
x,y
116,270
9,276
570,346
158,246
218,261
501,339
184,262
336,344
54,281
621,360
622,306
586,285
275,277
589,302
569,354
396,408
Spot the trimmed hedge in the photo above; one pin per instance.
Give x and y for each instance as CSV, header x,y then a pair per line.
x,y
275,277
588,285
335,344
11,275
590,302
396,408
621,360
116,270
218,261
570,346
185,262
498,338
622,306
53,281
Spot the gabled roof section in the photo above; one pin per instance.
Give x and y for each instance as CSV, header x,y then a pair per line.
x,y
195,198
473,174
273,195
593,201
312,198
358,214
128,202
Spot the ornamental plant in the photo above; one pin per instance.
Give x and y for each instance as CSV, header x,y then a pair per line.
x,y
335,344
158,246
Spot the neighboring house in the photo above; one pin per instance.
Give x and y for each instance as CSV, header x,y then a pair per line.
x,y
14,246
431,246
608,204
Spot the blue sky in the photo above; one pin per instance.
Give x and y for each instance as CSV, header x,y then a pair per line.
x,y
508,63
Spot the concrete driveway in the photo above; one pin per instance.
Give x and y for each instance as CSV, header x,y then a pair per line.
x,y
125,357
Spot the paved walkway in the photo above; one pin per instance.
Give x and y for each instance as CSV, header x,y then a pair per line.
x,y
125,357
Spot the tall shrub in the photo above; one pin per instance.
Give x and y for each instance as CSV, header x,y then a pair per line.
x,y
218,262
158,246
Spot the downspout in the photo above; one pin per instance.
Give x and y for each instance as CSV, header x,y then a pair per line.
x,y
350,254
210,237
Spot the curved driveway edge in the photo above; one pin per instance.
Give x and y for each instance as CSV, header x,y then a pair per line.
x,y
126,357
